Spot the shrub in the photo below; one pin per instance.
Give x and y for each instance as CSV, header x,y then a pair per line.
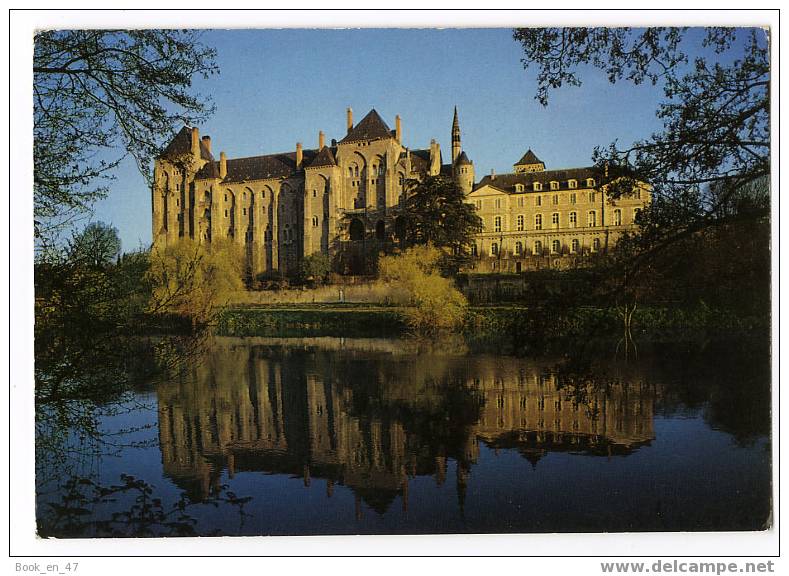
x,y
434,304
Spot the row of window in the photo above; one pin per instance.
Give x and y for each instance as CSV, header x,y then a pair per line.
x,y
554,185
537,247
538,200
591,220
353,171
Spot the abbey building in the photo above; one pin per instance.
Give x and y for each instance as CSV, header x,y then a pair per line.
x,y
346,199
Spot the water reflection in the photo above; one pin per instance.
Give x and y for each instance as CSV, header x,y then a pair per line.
x,y
371,415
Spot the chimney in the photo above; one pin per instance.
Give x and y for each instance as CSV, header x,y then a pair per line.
x,y
299,155
492,174
349,119
321,140
222,165
334,142
207,143
398,128
196,143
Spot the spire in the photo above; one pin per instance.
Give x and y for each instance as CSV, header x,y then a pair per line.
x,y
456,147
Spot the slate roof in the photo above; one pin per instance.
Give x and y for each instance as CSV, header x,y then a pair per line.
x,y
372,127
420,160
462,159
507,182
529,158
182,144
257,167
323,158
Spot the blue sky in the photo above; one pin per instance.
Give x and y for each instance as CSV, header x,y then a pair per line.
x,y
278,87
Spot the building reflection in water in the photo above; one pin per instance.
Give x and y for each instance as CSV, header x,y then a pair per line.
x,y
371,416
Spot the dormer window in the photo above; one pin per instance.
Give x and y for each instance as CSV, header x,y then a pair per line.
x,y
590,182
554,185
537,187
518,187
572,183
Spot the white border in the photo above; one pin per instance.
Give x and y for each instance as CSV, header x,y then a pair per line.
x,y
21,316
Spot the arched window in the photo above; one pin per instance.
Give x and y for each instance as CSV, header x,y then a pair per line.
x,y
356,230
537,248
518,248
538,222
555,247
617,217
520,223
350,171
356,171
573,219
591,219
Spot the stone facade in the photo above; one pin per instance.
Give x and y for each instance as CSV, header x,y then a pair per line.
x,y
345,197
535,217
346,200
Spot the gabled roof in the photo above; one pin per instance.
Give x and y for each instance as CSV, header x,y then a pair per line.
x,y
529,158
507,182
182,144
257,167
323,158
372,127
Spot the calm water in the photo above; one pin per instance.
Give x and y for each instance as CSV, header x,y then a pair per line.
x,y
340,436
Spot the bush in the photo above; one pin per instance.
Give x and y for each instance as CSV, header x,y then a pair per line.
x,y
434,304
192,279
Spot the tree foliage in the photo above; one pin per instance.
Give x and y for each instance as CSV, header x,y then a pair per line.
x,y
98,244
99,96
714,148
437,214
192,279
434,304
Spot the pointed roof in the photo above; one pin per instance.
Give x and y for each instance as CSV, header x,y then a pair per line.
x,y
529,158
462,159
455,122
372,127
182,144
323,158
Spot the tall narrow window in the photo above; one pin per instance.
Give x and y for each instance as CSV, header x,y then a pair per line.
x,y
572,198
555,219
573,219
494,249
537,248
591,196
520,223
518,248
497,224
555,247
498,202
538,222
538,200
595,244
555,199
617,217
474,250
574,245
592,219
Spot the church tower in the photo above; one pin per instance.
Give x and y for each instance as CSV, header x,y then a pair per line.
x,y
462,167
456,147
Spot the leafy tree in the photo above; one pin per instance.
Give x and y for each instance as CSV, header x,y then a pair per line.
x,y
437,214
315,267
715,143
192,279
98,244
434,304
100,96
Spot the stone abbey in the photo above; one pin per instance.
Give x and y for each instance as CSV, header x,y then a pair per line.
x,y
347,199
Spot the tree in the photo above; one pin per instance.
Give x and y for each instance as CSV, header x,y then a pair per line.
x,y
98,244
191,279
100,96
315,267
434,304
715,141
436,213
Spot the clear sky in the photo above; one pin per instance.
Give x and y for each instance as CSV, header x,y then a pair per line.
x,y
278,87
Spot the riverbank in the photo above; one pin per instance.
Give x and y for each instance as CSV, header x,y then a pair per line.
x,y
514,324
